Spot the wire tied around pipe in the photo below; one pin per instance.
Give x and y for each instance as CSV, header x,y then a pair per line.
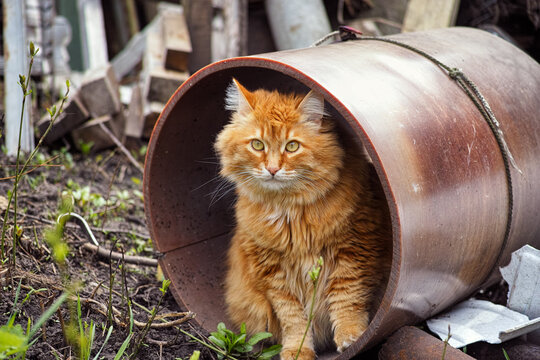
x,y
347,33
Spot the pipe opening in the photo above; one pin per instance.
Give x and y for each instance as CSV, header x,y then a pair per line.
x,y
192,221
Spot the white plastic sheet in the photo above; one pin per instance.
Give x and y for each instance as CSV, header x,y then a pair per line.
x,y
476,320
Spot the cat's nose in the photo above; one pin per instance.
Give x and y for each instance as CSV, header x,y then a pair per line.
x,y
273,169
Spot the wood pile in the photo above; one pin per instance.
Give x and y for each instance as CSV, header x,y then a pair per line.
x,y
128,108
127,92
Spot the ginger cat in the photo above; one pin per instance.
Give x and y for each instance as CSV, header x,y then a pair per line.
x,y
300,196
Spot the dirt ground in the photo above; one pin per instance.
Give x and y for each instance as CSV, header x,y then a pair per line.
x,y
107,191
118,224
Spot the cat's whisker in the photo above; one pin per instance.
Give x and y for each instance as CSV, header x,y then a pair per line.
x,y
219,195
215,200
208,162
223,185
226,187
215,178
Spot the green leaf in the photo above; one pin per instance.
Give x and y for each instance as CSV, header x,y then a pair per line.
x,y
33,49
52,110
12,339
243,348
123,347
220,336
258,337
239,340
232,336
217,342
195,356
270,352
243,328
221,326
47,314
104,343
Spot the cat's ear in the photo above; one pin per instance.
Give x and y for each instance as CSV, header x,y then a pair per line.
x,y
238,98
312,107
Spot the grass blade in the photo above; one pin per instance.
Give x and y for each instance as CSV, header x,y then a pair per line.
x,y
47,314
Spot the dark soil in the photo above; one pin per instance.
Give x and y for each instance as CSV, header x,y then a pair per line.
x,y
119,225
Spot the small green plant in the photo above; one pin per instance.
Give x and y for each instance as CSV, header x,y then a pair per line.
x,y
65,157
505,354
24,82
164,287
81,334
127,341
14,340
93,206
54,236
239,346
314,274
265,353
85,147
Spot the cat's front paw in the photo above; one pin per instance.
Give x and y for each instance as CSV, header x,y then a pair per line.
x,y
346,336
290,354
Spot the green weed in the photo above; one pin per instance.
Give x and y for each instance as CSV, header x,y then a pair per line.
x,y
314,275
238,345
164,287
446,343
24,82
14,340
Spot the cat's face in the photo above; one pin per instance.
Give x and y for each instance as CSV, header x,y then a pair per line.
x,y
278,143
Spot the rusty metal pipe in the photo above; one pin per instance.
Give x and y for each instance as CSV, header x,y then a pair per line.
x,y
435,155
411,343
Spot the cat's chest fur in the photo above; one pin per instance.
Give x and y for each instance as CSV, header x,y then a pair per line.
x,y
299,229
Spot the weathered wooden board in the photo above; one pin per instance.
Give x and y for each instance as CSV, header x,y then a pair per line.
x,y
430,14
176,40
73,115
99,92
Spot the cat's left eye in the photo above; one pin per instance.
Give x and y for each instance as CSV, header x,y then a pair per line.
x,y
292,146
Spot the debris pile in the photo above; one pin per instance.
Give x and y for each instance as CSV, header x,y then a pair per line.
x,y
99,110
154,46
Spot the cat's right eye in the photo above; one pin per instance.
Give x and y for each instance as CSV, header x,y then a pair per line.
x,y
257,145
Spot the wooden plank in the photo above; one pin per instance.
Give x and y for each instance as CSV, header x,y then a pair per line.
x,y
99,92
430,14
91,132
16,47
93,37
151,114
158,83
130,56
134,117
74,115
176,40
229,29
199,20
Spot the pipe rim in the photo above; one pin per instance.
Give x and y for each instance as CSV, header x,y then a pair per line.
x,y
366,339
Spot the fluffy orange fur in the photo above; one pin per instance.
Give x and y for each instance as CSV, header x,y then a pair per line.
x,y
292,208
